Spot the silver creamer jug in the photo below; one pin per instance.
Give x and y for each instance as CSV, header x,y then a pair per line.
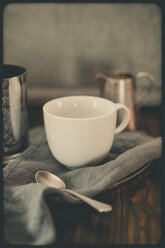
x,y
120,87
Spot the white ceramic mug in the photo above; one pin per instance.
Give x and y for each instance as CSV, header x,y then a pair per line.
x,y
80,129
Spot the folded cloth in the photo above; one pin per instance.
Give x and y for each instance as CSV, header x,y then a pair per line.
x,y
27,218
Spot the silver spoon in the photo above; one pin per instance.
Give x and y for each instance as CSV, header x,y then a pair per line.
x,y
51,180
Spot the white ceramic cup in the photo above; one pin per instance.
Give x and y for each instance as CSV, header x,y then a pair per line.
x,y
80,129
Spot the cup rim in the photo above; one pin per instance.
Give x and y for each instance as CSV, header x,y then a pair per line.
x,y
80,118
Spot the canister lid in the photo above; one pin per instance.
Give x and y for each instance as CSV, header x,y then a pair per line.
x,y
9,71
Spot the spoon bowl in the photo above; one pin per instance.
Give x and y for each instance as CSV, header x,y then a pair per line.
x,y
51,180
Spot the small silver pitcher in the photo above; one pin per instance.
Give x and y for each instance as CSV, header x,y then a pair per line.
x,y
14,110
120,87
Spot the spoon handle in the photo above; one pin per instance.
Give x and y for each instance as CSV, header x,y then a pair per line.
x,y
99,206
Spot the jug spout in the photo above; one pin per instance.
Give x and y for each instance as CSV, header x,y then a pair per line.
x,y
101,75
103,80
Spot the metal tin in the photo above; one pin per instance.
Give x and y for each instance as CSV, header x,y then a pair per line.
x,y
14,109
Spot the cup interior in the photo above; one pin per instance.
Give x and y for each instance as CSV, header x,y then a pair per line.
x,y
79,107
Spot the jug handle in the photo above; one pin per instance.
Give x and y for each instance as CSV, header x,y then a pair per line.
x,y
151,79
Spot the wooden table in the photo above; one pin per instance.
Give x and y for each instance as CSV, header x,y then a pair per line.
x,y
137,204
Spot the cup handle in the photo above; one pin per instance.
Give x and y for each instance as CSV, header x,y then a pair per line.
x,y
126,117
151,87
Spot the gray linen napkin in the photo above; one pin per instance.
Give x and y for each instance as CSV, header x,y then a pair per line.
x,y
27,218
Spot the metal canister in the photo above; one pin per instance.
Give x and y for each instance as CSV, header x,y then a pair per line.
x,y
14,109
